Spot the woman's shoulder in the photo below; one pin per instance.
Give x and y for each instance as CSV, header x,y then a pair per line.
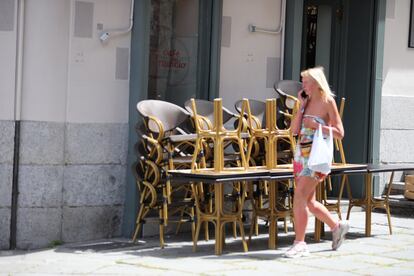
x,y
330,101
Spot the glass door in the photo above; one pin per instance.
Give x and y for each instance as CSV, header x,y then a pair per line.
x,y
177,36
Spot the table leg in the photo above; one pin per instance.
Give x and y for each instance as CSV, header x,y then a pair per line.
x,y
368,199
218,191
318,223
272,217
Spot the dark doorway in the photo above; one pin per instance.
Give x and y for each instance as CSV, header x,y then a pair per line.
x,y
321,37
340,36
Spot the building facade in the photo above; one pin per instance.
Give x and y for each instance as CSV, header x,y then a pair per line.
x,y
68,93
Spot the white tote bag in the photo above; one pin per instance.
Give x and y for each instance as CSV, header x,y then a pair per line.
x,y
320,159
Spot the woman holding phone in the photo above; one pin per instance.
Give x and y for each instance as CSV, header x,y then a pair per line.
x,y
317,107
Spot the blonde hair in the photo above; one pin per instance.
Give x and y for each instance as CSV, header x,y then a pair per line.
x,y
318,75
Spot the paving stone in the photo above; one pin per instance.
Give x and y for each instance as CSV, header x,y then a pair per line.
x,y
380,254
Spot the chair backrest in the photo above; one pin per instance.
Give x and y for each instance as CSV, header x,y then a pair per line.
x,y
290,87
257,109
286,89
169,114
206,109
338,142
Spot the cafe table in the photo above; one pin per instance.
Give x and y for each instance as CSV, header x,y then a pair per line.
x,y
282,172
218,216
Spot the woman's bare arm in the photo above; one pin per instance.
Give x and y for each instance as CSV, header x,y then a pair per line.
x,y
334,121
297,120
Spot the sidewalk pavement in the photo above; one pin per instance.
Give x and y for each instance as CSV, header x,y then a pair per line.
x,y
381,254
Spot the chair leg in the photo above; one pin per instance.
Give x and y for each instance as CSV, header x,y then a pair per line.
x,y
341,190
162,243
245,248
177,230
234,224
210,211
198,147
138,223
348,190
193,226
197,232
349,210
339,212
206,231
387,208
220,236
250,147
386,202
253,225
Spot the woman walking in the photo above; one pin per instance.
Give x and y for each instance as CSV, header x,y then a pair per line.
x,y
317,107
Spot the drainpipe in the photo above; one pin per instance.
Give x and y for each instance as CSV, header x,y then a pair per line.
x,y
107,34
17,118
282,37
280,30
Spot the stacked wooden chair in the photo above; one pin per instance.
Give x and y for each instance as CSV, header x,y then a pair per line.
x,y
268,203
211,133
205,122
163,146
257,111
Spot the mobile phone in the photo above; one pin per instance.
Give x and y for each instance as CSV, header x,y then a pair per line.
x,y
303,95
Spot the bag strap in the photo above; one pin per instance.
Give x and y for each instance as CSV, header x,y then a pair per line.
x,y
330,138
320,133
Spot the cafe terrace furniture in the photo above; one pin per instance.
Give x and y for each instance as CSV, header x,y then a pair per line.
x,y
205,116
288,103
217,176
218,179
369,202
257,111
163,146
218,136
205,112
218,216
271,135
204,122
376,203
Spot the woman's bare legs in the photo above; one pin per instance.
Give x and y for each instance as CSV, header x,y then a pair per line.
x,y
320,212
305,198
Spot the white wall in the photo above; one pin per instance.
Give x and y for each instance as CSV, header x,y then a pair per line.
x,y
66,78
398,73
243,67
46,43
7,72
94,95
397,105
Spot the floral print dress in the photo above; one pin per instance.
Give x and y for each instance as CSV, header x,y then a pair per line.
x,y
303,150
